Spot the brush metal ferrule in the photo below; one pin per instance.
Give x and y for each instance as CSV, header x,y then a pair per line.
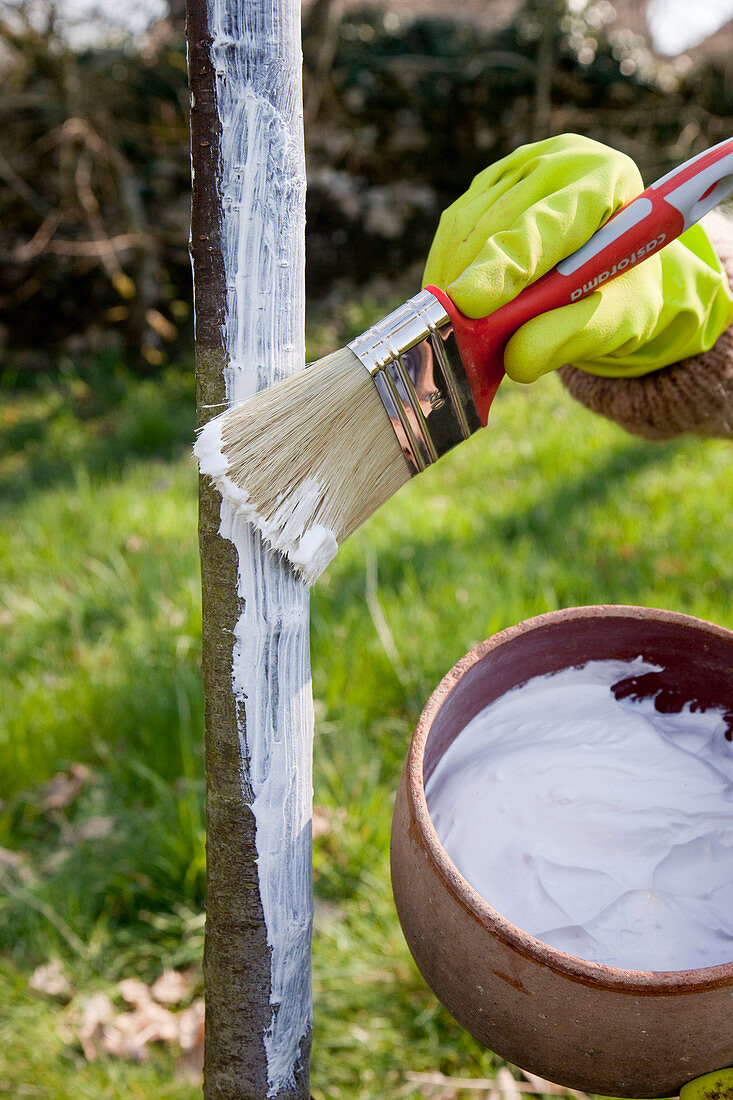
x,y
413,357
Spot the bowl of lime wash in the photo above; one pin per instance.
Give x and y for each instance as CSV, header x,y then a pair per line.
x,y
562,847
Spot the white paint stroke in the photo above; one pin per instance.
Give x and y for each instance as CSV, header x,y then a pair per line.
x,y
257,59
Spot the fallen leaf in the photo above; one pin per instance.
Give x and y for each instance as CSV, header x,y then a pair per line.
x,y
50,978
135,992
172,987
62,789
128,1033
191,1042
321,822
95,1015
324,818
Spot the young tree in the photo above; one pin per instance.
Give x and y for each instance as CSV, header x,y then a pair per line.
x,y
247,246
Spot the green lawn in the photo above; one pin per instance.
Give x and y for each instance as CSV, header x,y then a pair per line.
x,y
99,614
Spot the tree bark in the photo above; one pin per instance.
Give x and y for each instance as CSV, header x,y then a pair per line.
x,y
247,249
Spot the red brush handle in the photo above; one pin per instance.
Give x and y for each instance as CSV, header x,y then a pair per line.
x,y
638,230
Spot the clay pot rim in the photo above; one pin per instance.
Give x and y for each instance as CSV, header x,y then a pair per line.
x,y
582,970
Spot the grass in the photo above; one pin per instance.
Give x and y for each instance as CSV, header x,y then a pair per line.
x,y
99,614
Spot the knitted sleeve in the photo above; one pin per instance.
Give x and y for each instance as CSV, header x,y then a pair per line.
x,y
694,395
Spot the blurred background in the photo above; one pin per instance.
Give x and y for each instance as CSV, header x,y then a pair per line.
x,y
102,858
404,103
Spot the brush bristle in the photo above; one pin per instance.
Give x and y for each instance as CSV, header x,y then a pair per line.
x,y
308,459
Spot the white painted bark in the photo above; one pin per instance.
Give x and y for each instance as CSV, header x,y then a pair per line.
x,y
254,47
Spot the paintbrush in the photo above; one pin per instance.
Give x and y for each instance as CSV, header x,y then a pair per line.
x,y
310,458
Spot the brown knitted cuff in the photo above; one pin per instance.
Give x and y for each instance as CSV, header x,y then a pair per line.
x,y
694,395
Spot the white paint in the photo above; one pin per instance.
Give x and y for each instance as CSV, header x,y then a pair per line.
x,y
256,56
309,547
271,680
313,551
602,827
209,452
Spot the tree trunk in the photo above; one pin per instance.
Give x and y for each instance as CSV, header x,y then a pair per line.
x,y
247,246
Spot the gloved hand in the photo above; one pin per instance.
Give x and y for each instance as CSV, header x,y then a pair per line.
x,y
525,213
711,1086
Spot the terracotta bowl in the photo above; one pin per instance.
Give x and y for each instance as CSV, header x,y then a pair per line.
x,y
578,1023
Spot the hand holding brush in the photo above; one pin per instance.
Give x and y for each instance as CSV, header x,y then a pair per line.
x,y
311,458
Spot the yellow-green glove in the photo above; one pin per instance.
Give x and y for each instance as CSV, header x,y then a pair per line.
x,y
525,213
711,1086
